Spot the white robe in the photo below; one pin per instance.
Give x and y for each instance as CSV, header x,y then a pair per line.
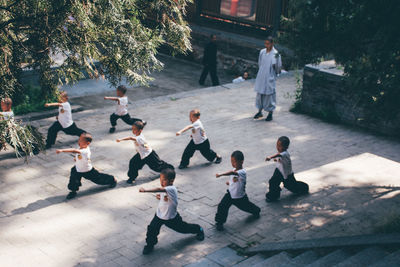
x,y
269,66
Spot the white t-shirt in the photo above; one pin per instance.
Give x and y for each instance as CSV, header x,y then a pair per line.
x,y
198,133
142,147
238,80
6,115
82,160
122,106
237,184
284,164
167,207
65,115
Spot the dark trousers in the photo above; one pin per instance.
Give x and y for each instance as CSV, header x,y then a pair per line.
x,y
56,127
126,118
204,149
289,183
93,175
176,224
153,161
213,73
241,203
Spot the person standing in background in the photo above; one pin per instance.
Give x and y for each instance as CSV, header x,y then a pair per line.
x,y
210,62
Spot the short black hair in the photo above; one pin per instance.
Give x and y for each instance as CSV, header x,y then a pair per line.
x,y
284,141
270,39
88,137
238,155
195,112
139,125
169,174
122,89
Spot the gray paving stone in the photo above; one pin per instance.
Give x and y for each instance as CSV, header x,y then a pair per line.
x,y
225,257
204,263
363,258
331,259
276,260
391,260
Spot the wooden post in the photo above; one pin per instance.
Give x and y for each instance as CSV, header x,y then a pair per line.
x,y
277,16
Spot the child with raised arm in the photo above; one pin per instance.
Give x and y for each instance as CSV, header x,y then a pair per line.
x,y
121,111
236,193
167,212
64,121
83,167
283,173
145,154
199,141
6,107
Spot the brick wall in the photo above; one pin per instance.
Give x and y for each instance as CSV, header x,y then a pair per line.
x,y
324,95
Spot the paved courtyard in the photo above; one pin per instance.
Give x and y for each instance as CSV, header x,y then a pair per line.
x,y
353,177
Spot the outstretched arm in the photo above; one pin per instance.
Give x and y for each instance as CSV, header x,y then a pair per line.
x,y
68,150
130,138
111,98
53,105
184,130
277,155
226,174
153,190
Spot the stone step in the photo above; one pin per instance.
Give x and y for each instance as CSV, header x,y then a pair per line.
x,y
251,261
330,259
391,260
303,259
276,260
363,258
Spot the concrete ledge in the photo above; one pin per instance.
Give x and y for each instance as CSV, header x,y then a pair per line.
x,y
332,242
33,116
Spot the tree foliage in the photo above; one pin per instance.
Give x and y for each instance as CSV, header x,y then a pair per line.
x,y
361,35
113,39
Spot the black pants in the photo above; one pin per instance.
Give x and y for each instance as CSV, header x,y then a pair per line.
x,y
290,183
126,118
204,149
176,224
213,73
153,161
93,175
56,127
241,203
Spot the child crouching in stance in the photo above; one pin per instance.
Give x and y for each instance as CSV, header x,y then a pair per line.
x,y
83,167
145,154
283,173
236,193
167,212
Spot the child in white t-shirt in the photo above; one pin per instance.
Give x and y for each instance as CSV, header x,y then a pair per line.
x,y
236,193
8,114
283,173
83,167
121,111
6,107
64,121
199,141
145,154
241,78
167,212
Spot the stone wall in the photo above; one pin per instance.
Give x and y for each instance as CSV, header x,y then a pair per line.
x,y
324,95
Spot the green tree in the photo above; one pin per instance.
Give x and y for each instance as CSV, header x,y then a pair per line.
x,y
362,36
114,39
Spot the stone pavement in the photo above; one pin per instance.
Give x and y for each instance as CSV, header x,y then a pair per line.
x,y
353,178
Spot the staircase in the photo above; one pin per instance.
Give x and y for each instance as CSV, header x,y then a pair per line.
x,y
368,250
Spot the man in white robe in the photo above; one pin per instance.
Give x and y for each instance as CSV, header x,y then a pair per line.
x,y
269,67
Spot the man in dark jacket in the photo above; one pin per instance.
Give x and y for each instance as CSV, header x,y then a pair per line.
x,y
210,62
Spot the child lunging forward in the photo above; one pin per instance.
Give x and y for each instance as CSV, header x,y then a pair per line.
x,y
199,141
145,154
121,111
236,193
83,167
167,212
64,121
283,173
